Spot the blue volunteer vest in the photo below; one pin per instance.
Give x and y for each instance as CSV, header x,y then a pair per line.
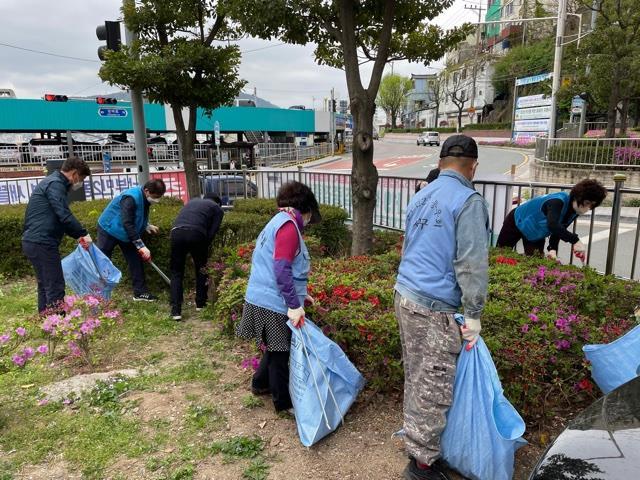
x,y
263,289
531,220
426,270
110,220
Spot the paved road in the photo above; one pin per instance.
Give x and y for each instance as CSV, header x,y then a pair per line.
x,y
404,158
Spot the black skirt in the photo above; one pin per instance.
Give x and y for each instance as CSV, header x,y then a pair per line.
x,y
265,327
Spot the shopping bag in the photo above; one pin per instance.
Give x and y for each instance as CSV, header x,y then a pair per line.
x,y
615,363
90,272
323,383
483,429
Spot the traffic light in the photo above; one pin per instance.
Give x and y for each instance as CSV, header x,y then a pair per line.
x,y
333,106
50,97
110,32
106,101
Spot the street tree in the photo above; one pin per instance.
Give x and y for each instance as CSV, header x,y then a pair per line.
x,y
392,96
438,95
346,34
175,61
456,86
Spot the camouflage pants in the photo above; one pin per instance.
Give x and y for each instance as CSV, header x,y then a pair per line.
x,y
430,345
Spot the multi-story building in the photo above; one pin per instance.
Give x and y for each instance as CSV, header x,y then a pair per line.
x,y
416,113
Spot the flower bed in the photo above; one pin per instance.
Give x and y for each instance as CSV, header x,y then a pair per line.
x,y
537,317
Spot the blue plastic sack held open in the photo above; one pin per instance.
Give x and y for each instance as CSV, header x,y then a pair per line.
x,y
323,383
615,363
90,272
483,429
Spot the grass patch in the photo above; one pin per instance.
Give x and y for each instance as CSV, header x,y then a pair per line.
x,y
238,447
201,417
251,401
258,469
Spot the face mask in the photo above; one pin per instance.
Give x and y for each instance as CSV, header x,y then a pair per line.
x,y
153,200
77,186
580,209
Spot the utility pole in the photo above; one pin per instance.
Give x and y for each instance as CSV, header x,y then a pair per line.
x,y
474,65
255,96
557,66
332,124
137,107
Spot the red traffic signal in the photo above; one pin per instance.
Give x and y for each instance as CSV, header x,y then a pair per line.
x,y
50,97
106,101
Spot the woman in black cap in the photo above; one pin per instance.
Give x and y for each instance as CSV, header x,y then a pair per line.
x,y
277,289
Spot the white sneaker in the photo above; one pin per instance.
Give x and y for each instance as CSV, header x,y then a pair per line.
x,y
177,318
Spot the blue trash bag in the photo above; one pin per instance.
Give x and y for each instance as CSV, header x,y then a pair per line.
x,y
323,383
615,363
90,272
483,429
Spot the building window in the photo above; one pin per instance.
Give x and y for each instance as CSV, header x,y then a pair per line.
x,y
480,93
507,10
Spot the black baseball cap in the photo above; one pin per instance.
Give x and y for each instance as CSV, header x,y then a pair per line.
x,y
459,146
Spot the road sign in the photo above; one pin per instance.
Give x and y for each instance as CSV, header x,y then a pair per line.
x,y
577,104
113,112
472,110
216,132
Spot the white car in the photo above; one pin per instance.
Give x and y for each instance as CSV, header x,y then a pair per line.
x,y
429,138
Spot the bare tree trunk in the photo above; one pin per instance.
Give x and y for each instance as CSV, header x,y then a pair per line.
x,y
364,175
460,118
612,108
186,139
435,122
624,116
394,115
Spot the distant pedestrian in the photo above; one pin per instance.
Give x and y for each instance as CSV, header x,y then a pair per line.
x,y
444,266
433,174
46,220
122,224
550,216
277,289
193,232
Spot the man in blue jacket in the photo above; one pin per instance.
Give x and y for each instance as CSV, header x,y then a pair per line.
x,y
193,231
444,266
46,220
122,224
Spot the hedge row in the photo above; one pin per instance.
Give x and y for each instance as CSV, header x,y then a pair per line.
x,y
241,225
422,130
488,126
584,152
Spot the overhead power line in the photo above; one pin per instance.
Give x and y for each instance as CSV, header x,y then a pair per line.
x,y
48,53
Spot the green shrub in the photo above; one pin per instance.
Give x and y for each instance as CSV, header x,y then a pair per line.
x,y
422,130
537,317
582,154
488,126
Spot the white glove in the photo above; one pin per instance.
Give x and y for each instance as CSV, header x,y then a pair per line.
x,y
470,331
296,315
579,250
552,255
145,254
152,229
85,241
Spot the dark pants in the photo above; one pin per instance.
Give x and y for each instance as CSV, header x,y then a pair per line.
x,y
107,243
510,235
47,264
273,374
183,242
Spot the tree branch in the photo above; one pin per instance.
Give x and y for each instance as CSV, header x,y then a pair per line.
x,y
383,47
215,29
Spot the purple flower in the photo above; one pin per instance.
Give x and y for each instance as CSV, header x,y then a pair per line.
x,y
70,300
28,353
553,359
112,314
67,401
43,349
74,349
75,313
533,317
252,362
92,301
525,328
43,402
4,338
561,323
19,360
562,344
21,331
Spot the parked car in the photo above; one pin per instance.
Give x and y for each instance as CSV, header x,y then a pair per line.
x,y
429,138
9,154
228,187
602,442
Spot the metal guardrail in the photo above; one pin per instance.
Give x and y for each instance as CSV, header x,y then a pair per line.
x,y
609,153
619,226
277,154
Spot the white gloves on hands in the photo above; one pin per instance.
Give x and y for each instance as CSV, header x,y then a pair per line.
x,y
552,255
145,254
85,241
152,229
580,251
296,315
470,331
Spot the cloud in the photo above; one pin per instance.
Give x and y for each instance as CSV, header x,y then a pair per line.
x,y
285,75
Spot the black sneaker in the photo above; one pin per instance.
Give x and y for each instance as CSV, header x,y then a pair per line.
x,y
260,391
435,472
145,297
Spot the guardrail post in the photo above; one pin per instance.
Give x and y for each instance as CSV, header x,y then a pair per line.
x,y
619,179
244,180
300,173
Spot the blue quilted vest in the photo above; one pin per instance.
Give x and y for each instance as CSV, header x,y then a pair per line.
x,y
263,289
531,220
426,270
111,222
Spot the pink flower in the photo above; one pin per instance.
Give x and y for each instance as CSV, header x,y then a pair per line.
x,y
4,338
19,360
75,313
74,349
42,349
28,353
43,402
533,317
70,300
525,328
92,301
562,344
112,314
21,331
553,359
